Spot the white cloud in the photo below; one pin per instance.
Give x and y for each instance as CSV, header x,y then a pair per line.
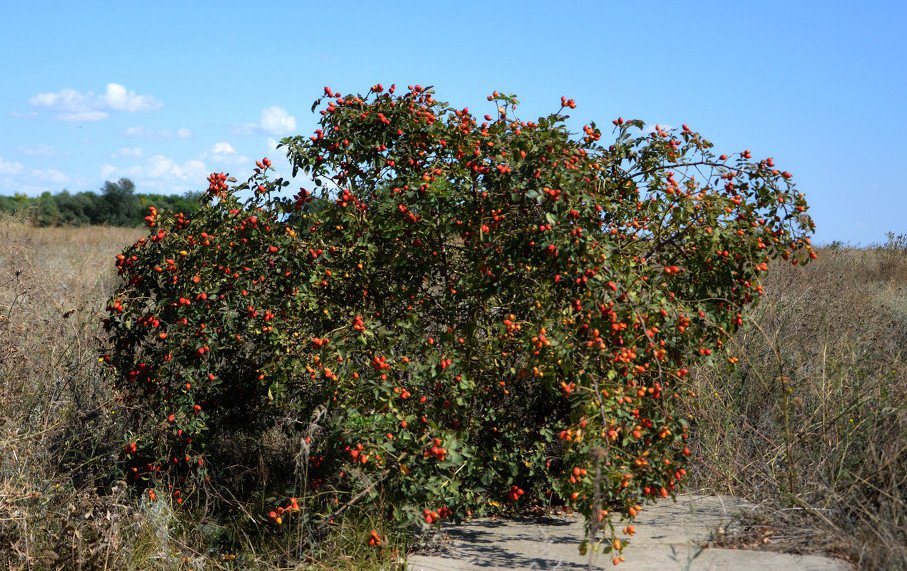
x,y
39,150
157,134
160,167
63,100
160,174
129,152
276,121
223,154
223,148
14,178
83,116
85,106
142,133
7,167
53,176
119,98
108,170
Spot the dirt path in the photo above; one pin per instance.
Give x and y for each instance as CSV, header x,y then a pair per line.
x,y
668,537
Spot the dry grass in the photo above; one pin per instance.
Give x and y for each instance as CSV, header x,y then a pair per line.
x,y
59,503
812,422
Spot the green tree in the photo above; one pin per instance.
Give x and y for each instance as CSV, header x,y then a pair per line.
x,y
15,203
75,209
121,205
46,211
117,205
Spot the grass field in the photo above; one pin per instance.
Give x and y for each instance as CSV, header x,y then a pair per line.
x,y
811,423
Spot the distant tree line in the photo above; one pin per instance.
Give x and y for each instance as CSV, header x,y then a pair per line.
x,y
117,204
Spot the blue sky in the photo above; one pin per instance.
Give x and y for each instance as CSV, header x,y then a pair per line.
x,y
166,92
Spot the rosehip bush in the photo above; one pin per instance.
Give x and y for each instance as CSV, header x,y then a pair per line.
x,y
461,315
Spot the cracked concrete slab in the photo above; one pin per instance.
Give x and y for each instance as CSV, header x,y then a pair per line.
x,y
669,536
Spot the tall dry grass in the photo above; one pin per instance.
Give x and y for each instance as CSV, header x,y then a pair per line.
x,y
61,505
812,422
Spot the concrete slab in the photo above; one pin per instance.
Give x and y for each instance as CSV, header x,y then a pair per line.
x,y
669,536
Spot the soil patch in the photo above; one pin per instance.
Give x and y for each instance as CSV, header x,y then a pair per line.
x,y
670,535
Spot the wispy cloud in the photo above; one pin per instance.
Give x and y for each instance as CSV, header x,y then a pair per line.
x,y
274,120
85,106
128,152
119,98
10,167
108,170
38,150
157,134
223,148
52,176
160,167
83,116
15,178
223,154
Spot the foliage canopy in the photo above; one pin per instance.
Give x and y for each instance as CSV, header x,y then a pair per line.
x,y
459,315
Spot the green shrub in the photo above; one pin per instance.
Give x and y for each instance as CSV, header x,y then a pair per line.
x,y
458,316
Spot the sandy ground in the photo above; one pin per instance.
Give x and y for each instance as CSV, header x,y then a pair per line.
x,y
668,536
